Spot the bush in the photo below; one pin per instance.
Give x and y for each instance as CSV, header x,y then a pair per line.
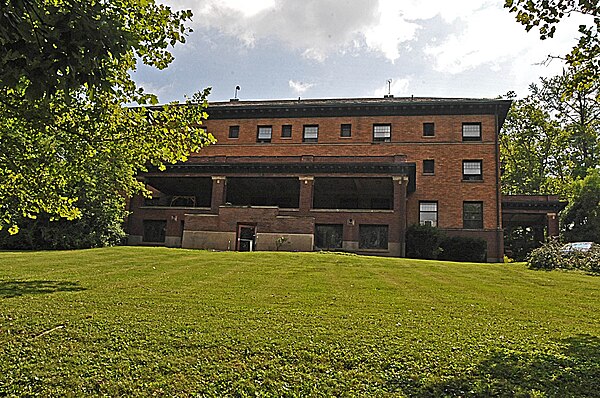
x,y
548,256
551,256
463,248
423,241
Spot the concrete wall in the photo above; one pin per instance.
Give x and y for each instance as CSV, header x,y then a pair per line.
x,y
208,240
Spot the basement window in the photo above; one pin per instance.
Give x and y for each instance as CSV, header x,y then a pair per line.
x,y
373,237
328,236
154,231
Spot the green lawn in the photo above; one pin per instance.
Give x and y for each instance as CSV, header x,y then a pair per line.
x,y
132,321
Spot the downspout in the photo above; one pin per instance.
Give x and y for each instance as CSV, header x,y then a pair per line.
x,y
499,229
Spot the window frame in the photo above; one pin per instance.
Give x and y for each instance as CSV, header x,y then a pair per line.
x,y
232,129
475,221
362,239
258,131
345,130
432,163
471,176
388,138
156,224
423,220
468,138
284,131
339,229
429,132
311,139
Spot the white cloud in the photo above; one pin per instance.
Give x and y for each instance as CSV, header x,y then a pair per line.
x,y
300,87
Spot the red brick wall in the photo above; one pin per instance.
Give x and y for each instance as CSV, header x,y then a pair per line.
x,y
446,148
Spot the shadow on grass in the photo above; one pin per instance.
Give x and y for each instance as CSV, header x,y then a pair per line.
x,y
572,372
10,289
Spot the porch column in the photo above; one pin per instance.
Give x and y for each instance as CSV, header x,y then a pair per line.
x,y
400,187
306,193
552,222
219,189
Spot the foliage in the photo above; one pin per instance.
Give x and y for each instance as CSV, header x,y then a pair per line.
x,y
533,150
519,241
132,321
66,136
552,255
463,248
423,241
550,139
584,58
581,220
547,257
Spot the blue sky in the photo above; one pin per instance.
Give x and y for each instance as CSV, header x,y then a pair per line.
x,y
280,49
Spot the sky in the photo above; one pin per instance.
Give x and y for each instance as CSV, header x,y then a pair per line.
x,y
285,49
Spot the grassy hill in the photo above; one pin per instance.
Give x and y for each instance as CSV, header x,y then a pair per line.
x,y
135,321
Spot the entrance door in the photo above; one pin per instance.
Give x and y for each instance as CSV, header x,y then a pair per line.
x,y
246,238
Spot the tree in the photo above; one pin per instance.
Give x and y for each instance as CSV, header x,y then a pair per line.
x,y
581,220
584,58
68,145
532,150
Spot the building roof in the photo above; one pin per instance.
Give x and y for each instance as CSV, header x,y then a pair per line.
x,y
337,107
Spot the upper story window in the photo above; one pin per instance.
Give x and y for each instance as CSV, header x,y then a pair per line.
x,y
473,215
472,170
471,131
428,213
234,131
310,133
428,129
346,130
286,131
428,166
382,132
264,134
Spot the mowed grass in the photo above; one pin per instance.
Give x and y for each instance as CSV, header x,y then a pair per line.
x,y
132,321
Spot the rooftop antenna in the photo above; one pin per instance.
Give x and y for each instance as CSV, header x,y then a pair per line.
x,y
235,97
389,94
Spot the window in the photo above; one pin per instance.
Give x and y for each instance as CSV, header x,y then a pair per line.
x,y
310,134
428,166
428,213
472,170
329,236
428,129
382,132
373,237
473,215
264,134
471,131
286,131
234,131
346,130
154,231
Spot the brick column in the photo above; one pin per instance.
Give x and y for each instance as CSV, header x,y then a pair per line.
x,y
306,193
400,186
552,221
219,189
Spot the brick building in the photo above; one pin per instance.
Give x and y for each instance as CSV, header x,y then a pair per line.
x,y
335,174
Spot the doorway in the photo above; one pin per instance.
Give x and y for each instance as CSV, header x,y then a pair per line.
x,y
246,238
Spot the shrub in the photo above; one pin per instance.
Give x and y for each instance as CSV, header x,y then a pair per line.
x,y
423,241
548,256
463,248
